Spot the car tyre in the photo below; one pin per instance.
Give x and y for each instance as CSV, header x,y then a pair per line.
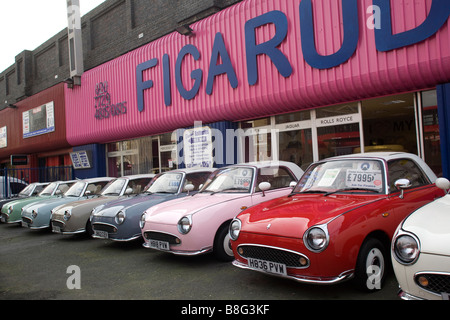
x,y
89,229
371,266
222,248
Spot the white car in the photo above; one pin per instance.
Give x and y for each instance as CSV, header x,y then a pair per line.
x,y
421,251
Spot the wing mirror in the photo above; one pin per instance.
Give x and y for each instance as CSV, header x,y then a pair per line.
x,y
402,184
189,187
443,183
129,191
264,186
292,184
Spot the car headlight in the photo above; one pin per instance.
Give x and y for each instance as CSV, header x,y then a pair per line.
x,y
185,224
142,221
34,214
120,217
235,229
406,248
316,238
67,215
10,209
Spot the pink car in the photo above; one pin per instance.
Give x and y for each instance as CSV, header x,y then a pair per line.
x,y
199,224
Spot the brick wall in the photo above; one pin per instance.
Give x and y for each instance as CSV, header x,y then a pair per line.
x,y
110,30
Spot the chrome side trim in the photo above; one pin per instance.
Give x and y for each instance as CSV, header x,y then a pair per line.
x,y
180,253
37,228
124,240
406,296
71,232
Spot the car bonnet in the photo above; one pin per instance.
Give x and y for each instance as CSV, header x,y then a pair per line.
x,y
431,225
292,216
171,211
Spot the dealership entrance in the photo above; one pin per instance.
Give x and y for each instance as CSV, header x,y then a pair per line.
x,y
406,122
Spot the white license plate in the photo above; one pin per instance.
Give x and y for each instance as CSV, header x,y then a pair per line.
x,y
445,296
24,224
160,245
4,219
56,229
101,234
267,266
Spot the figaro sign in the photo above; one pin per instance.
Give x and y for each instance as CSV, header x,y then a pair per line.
x,y
384,38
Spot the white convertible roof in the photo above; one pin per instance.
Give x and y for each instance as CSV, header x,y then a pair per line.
x,y
387,156
296,170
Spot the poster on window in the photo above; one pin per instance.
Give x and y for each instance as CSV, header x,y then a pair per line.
x,y
38,121
198,148
3,137
80,160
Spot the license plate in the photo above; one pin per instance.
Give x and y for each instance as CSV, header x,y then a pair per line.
x,y
160,245
24,224
267,266
4,219
101,234
56,229
445,296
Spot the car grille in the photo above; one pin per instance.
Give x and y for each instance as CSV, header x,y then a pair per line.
x,y
289,258
58,224
27,220
437,283
104,227
171,239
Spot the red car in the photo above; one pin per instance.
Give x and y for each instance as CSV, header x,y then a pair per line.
x,y
338,222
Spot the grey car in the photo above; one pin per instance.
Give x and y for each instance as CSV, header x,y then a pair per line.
x,y
119,220
38,215
73,218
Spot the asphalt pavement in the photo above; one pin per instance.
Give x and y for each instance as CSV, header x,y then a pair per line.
x,y
41,265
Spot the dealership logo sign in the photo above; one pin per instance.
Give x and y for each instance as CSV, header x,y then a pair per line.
x,y
104,109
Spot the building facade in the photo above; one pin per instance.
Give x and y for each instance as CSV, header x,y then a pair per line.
x,y
296,80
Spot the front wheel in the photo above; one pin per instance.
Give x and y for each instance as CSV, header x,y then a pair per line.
x,y
222,246
371,266
89,229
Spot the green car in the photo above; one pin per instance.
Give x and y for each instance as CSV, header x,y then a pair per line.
x,y
12,211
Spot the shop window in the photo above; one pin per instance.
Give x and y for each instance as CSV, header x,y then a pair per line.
x,y
257,140
389,124
431,137
296,146
338,130
295,138
168,151
338,140
130,157
338,110
293,117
